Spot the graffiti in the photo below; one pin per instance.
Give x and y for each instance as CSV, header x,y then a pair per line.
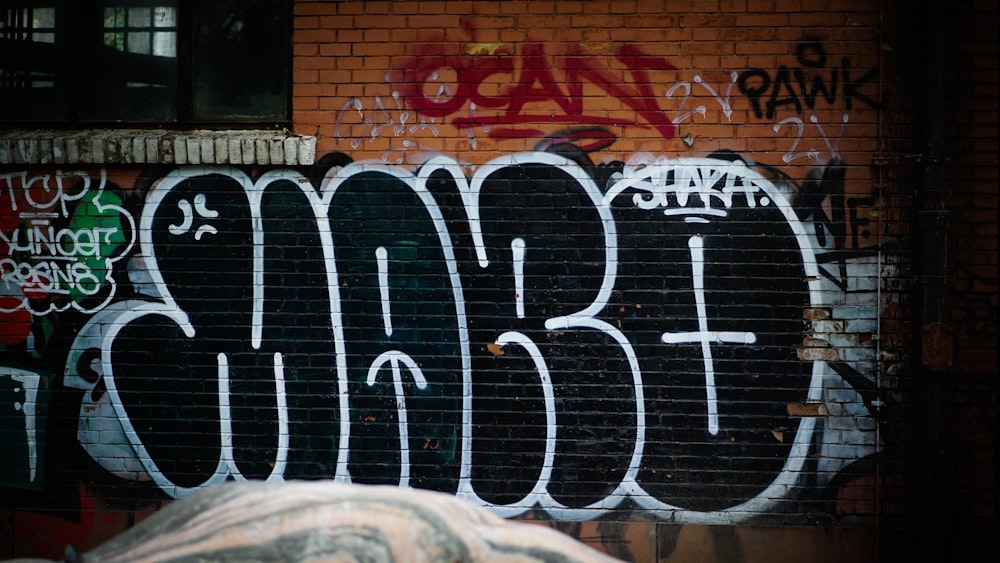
x,y
372,121
15,319
53,535
839,224
98,429
512,94
832,146
22,428
723,100
768,94
60,236
436,81
593,342
841,231
528,77
839,227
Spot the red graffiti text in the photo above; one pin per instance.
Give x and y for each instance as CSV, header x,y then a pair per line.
x,y
520,81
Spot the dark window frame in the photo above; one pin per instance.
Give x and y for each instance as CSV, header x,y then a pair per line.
x,y
78,42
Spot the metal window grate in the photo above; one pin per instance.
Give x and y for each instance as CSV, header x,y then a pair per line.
x,y
28,35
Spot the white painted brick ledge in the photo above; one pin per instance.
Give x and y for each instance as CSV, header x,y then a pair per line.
x,y
119,146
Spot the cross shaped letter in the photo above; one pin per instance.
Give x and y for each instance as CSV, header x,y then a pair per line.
x,y
703,335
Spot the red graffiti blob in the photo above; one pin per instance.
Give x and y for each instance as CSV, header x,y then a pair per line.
x,y
16,324
36,288
9,219
15,319
52,534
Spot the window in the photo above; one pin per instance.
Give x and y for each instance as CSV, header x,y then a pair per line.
x,y
179,63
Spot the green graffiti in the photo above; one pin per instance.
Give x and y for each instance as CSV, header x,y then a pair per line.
x,y
99,227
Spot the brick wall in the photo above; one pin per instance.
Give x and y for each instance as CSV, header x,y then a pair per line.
x,y
649,273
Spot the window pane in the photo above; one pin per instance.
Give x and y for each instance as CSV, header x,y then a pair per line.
x,y
240,60
135,67
164,17
165,43
140,42
33,60
139,17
